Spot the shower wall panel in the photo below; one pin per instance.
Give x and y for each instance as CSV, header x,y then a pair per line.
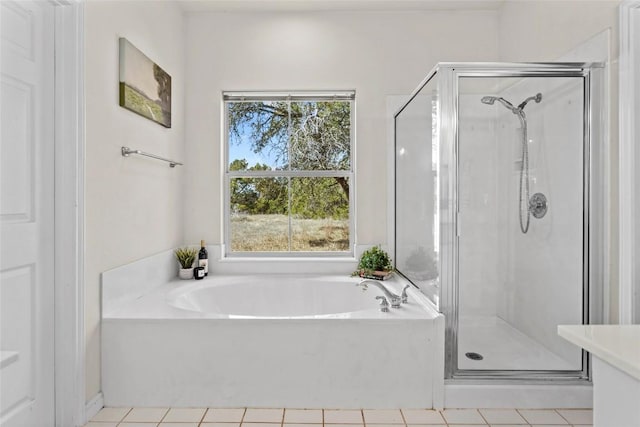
x,y
478,169
542,287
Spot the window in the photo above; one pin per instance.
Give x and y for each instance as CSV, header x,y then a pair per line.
x,y
289,173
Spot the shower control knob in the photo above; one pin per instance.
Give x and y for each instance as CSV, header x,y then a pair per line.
x,y
538,205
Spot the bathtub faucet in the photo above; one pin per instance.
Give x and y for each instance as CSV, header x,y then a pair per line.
x,y
395,299
384,304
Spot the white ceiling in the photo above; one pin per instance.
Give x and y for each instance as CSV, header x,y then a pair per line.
x,y
331,5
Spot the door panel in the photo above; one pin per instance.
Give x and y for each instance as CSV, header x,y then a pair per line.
x,y
16,205
26,215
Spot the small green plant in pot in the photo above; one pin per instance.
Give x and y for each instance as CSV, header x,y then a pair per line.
x,y
186,256
374,264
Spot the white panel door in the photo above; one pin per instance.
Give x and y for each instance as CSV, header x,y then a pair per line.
x,y
26,214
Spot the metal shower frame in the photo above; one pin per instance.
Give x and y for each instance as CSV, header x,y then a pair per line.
x,y
448,75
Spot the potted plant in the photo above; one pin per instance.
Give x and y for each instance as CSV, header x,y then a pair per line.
x,y
374,264
186,256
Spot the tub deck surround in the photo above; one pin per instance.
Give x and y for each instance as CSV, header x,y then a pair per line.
x,y
299,296
131,281
271,341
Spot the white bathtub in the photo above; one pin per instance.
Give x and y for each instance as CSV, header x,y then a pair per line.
x,y
279,297
271,341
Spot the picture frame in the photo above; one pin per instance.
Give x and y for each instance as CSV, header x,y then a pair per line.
x,y
145,88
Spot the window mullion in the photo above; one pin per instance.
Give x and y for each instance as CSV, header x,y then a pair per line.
x,y
289,132
290,192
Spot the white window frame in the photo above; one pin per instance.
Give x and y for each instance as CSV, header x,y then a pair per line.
x,y
253,96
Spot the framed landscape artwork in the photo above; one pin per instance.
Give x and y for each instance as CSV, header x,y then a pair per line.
x,y
145,88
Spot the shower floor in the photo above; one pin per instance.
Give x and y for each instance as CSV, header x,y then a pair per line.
x,y
503,347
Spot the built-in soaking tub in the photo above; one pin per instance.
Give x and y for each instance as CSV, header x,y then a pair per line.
x,y
271,341
282,297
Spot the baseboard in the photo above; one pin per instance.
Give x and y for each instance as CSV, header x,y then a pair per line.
x,y
93,406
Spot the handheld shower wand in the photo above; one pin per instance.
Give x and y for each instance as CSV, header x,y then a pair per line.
x,y
490,100
524,167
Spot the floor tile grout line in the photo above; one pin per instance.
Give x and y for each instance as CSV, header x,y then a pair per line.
x,y
117,422
482,416
125,415
164,416
204,414
523,417
402,416
558,412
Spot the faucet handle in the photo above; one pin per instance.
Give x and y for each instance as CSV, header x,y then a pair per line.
x,y
404,296
384,304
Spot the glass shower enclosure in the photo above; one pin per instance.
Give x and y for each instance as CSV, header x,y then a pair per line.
x,y
499,212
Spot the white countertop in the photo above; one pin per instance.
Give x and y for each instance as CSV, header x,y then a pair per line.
x,y
618,345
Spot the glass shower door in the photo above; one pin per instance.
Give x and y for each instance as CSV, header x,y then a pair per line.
x,y
521,221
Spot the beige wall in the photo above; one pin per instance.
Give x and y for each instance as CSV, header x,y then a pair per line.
x,y
546,30
134,205
376,53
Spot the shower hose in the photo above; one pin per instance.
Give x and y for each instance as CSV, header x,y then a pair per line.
x,y
525,214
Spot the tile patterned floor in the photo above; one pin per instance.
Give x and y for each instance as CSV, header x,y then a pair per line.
x,y
253,417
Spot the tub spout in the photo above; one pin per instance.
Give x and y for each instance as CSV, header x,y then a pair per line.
x,y
395,299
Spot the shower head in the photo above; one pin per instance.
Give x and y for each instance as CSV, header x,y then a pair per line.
x,y
489,100
537,97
